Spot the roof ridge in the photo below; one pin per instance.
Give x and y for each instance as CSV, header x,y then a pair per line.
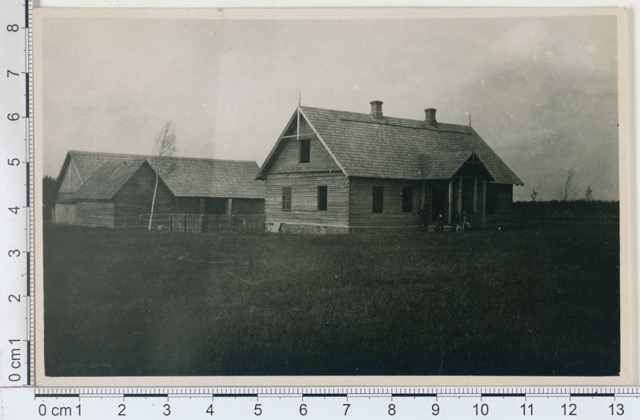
x,y
146,157
362,114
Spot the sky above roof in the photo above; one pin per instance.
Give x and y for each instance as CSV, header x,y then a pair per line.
x,y
541,91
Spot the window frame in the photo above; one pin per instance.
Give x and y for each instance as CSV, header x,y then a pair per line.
x,y
322,198
286,198
305,151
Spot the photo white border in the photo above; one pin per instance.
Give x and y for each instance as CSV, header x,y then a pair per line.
x,y
628,205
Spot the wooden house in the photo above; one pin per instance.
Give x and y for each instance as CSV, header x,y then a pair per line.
x,y
335,171
106,189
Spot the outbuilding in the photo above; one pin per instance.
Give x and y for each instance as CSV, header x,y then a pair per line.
x,y
107,189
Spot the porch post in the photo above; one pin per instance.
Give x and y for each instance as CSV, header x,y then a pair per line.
x,y
229,206
450,203
484,200
423,200
459,199
475,195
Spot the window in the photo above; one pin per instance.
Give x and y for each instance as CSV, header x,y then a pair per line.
x,y
378,199
144,185
407,199
305,151
286,198
322,198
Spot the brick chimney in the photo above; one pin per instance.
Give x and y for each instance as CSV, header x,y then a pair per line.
x,y
376,109
430,116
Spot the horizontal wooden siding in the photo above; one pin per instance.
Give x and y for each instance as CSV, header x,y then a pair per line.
x,y
132,202
304,199
361,202
96,213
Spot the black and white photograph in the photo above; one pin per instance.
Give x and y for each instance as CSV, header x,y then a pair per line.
x,y
327,193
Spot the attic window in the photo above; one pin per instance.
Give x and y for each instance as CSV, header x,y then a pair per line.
x,y
305,151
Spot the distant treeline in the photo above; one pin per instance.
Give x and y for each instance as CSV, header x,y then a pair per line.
x,y
567,208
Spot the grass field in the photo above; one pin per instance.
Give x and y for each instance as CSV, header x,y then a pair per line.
x,y
123,302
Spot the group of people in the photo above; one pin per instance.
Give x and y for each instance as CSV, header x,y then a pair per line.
x,y
461,222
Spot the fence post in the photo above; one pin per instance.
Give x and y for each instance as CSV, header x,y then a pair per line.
x,y
125,221
202,223
170,222
185,222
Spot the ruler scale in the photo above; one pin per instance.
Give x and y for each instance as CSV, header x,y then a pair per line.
x,y
17,216
269,403
19,399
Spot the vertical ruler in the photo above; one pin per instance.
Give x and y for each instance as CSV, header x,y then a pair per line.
x,y
16,200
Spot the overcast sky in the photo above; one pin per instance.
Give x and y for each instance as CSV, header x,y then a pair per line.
x,y
542,92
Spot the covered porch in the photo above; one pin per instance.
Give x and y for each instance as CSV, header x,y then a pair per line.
x,y
462,196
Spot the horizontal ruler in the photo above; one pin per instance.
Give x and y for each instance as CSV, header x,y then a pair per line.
x,y
321,403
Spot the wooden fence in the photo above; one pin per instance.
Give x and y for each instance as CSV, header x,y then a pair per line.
x,y
199,223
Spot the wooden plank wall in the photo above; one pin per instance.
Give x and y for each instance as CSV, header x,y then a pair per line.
x,y
288,158
70,181
95,213
247,206
187,205
131,202
361,200
505,198
304,190
64,214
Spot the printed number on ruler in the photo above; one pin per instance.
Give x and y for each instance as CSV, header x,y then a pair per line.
x,y
15,211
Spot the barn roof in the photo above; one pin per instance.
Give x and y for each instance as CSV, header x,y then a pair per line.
x,y
189,177
364,146
108,179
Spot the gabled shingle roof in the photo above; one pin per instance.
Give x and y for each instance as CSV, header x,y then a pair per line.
x,y
107,180
190,177
364,146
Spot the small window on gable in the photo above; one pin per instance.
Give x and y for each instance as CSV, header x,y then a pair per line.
x,y
286,198
378,200
322,198
144,185
305,151
407,199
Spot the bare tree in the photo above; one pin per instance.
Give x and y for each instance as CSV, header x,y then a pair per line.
x,y
164,148
534,195
568,191
588,193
